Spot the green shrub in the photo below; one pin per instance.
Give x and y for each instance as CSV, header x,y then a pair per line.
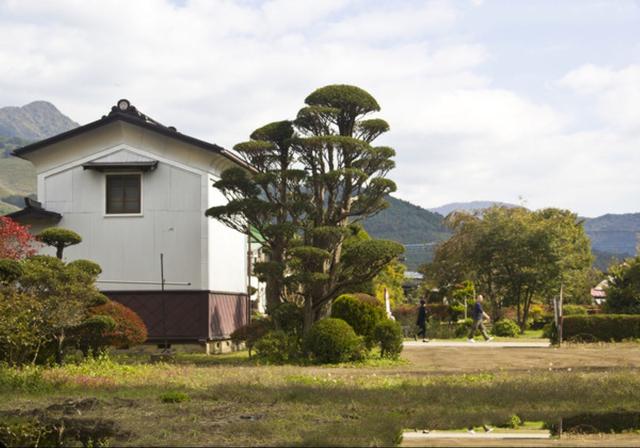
x,y
574,310
550,332
87,266
252,332
456,312
463,328
601,327
129,329
91,334
505,327
174,397
333,340
289,318
59,238
388,335
10,271
361,315
278,347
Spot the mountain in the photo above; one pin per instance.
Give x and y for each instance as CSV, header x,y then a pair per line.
x,y
472,206
35,121
614,234
18,127
415,227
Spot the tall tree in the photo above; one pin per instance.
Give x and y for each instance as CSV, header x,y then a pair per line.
x,y
346,181
271,200
311,184
514,255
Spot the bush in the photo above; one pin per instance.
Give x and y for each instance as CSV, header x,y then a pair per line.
x,y
289,318
574,310
439,311
601,327
463,328
456,312
406,314
388,335
21,331
361,315
252,332
174,397
505,327
278,347
92,334
129,329
10,271
333,340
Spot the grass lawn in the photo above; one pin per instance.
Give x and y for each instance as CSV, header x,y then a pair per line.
x,y
230,400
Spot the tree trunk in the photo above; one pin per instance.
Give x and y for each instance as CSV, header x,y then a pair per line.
x,y
59,250
59,351
309,315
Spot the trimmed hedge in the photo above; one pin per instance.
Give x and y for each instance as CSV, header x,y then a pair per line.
x,y
388,335
601,327
360,313
506,328
332,341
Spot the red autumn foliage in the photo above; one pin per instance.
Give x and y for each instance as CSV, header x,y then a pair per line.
x,y
130,330
15,240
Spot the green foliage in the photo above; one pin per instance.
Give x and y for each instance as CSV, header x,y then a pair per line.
x,y
89,267
128,329
278,347
623,293
363,316
59,238
601,327
333,341
10,271
174,397
252,332
391,279
513,255
388,335
289,318
313,178
46,303
573,310
21,326
506,328
91,334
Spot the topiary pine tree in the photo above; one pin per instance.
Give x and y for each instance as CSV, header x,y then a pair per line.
x,y
346,181
309,186
59,238
271,200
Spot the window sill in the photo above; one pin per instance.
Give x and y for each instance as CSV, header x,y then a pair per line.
x,y
123,215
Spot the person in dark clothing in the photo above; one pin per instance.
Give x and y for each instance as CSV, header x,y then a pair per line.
x,y
421,322
479,316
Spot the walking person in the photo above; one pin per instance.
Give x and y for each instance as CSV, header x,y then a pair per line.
x,y
421,322
479,316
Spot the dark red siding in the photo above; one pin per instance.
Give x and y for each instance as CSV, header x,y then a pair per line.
x,y
187,316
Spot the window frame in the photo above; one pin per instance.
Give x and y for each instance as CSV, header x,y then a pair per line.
x,y
139,174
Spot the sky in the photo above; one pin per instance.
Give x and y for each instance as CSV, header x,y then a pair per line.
x,y
535,102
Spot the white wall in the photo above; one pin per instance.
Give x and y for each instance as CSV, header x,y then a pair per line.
x,y
227,253
196,249
128,248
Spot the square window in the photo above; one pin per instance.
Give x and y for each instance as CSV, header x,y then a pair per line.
x,y
124,194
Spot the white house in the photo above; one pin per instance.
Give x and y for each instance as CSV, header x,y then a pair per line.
x,y
135,189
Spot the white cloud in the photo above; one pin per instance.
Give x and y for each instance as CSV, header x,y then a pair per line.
x,y
217,69
616,93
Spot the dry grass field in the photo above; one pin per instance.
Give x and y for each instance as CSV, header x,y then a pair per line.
x,y
230,400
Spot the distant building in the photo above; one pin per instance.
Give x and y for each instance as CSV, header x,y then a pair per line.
x,y
599,293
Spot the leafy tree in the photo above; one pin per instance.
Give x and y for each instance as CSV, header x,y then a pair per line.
x,y
623,293
513,255
15,240
65,294
390,278
314,178
59,238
